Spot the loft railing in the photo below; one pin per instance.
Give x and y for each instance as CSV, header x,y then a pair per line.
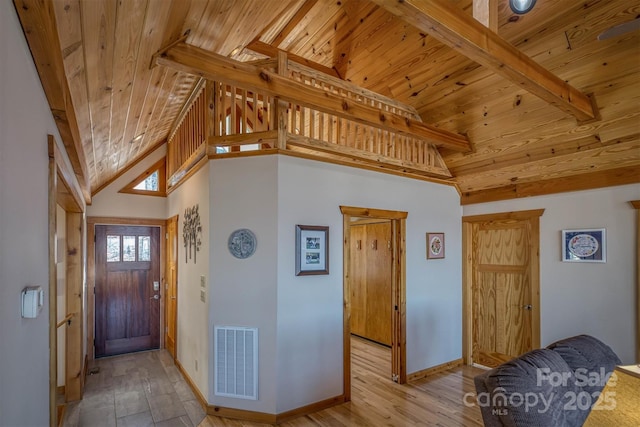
x,y
226,120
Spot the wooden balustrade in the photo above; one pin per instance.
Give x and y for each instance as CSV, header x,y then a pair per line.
x,y
237,121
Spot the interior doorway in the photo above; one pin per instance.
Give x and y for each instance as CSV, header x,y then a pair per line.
x,y
501,293
397,309
65,293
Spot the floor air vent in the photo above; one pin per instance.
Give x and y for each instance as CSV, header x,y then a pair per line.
x,y
236,362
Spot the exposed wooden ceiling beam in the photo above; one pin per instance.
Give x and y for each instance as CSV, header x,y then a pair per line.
x,y
212,66
39,23
271,51
293,22
486,12
460,31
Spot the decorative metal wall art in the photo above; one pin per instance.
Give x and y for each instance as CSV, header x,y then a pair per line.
x,y
191,233
242,243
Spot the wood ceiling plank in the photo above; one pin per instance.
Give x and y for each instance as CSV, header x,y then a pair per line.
x,y
215,67
153,33
486,12
625,154
98,29
39,23
600,19
129,27
302,11
469,37
586,181
68,17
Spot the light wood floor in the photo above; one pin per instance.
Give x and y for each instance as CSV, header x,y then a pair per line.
x,y
377,401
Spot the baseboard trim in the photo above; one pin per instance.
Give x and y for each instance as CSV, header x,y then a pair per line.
x,y
196,391
418,375
253,416
309,409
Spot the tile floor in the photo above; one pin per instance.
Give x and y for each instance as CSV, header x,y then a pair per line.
x,y
137,389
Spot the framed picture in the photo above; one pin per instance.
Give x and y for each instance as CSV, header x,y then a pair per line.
x,y
435,245
312,250
584,245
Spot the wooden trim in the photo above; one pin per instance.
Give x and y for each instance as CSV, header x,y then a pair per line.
x,y
69,181
161,167
193,60
74,295
53,282
346,310
586,181
398,291
60,390
372,213
187,166
66,319
418,375
366,156
486,12
128,167
460,31
92,221
241,414
636,205
517,215
196,391
534,273
345,161
195,168
45,49
467,300
240,139
309,409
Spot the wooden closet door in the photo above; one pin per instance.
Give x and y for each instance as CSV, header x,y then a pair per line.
x,y
371,281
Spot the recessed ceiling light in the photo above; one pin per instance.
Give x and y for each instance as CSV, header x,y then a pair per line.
x,y
521,6
137,138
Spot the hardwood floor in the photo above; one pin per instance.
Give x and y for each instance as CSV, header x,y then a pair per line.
x,y
377,401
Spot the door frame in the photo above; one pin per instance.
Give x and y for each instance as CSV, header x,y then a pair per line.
x,y
467,274
398,291
636,205
175,218
64,191
92,221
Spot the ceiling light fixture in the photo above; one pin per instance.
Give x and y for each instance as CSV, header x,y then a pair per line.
x,y
137,138
521,6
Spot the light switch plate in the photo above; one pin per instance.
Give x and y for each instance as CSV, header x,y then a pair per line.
x,y
202,281
202,296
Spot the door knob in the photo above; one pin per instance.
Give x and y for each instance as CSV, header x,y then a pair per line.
x,y
156,296
173,297
527,307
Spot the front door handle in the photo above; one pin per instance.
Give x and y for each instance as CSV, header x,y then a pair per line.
x,y
156,296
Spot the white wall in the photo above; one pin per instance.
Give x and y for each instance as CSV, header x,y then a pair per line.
x,y
244,194
310,307
25,121
193,314
108,202
585,298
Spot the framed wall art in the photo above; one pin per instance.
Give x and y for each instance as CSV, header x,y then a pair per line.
x,y
584,245
312,250
435,245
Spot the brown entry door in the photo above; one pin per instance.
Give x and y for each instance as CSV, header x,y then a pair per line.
x,y
503,301
127,289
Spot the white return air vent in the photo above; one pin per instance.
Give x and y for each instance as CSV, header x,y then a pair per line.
x,y
236,362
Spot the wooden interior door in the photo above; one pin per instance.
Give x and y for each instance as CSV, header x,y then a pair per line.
x,y
504,267
371,269
127,288
171,286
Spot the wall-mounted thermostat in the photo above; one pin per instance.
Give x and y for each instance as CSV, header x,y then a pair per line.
x,y
32,301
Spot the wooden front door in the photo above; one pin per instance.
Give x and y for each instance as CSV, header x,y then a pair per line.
x,y
371,271
127,289
171,286
504,288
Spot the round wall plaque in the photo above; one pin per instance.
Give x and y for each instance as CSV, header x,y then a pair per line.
x,y
242,243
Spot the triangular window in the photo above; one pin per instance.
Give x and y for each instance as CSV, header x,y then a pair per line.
x,y
152,182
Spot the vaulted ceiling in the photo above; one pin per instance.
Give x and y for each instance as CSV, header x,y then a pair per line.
x,y
113,105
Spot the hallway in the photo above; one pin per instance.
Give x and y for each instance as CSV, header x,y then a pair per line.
x,y
136,389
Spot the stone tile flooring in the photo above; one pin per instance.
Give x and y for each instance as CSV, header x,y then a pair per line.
x,y
137,389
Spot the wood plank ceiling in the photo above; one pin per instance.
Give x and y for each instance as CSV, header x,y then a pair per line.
x,y
521,145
